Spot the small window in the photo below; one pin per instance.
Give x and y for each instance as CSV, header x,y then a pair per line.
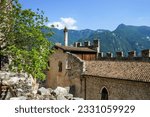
x,y
59,66
104,94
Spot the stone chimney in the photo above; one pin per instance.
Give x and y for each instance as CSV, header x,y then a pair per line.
x,y
132,54
75,44
100,55
109,55
119,54
96,45
66,36
87,43
145,53
79,44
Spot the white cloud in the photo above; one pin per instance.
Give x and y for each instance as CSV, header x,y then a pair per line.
x,y
69,22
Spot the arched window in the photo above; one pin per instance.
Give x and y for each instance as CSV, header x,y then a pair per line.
x,y
59,66
104,94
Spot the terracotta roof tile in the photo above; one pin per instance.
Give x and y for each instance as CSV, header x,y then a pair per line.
x,y
128,70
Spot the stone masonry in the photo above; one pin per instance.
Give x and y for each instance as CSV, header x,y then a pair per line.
x,y
117,89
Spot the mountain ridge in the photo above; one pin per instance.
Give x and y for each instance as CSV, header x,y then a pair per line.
x,y
124,38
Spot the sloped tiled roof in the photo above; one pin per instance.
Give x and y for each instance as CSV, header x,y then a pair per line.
x,y
75,49
127,70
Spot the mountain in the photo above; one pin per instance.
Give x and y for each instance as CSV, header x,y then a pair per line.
x,y
124,38
74,35
137,36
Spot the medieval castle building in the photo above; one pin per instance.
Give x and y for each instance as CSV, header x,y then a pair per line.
x,y
90,75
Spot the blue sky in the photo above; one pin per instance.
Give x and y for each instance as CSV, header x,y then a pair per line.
x,y
92,14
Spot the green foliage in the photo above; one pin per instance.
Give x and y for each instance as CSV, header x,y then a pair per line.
x,y
23,41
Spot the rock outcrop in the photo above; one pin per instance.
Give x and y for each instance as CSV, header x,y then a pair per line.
x,y
22,87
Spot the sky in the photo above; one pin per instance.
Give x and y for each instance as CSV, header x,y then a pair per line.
x,y
92,14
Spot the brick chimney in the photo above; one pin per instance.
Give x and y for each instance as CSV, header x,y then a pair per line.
x,y
66,36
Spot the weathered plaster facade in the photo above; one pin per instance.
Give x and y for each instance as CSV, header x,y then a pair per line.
x,y
54,77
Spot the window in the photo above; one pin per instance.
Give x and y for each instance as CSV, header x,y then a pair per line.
x,y
59,66
104,94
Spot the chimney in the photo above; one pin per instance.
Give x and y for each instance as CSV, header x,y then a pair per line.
x,y
66,36
109,54
132,54
119,54
96,45
87,43
75,44
145,53
100,55
79,44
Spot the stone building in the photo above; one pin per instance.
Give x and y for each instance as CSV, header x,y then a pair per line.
x,y
66,66
116,79
90,75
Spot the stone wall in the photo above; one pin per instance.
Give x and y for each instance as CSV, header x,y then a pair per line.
x,y
75,66
75,69
54,77
77,74
117,89
72,67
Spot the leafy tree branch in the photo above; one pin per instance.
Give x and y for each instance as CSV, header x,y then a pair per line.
x,y
22,40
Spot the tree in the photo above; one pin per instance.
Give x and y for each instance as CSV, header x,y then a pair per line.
x,y
22,39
